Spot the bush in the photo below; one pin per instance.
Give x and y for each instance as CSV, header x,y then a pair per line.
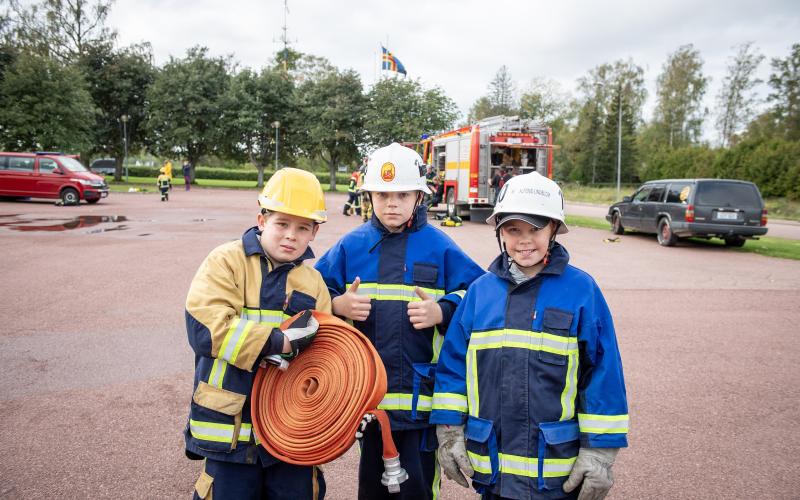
x,y
229,174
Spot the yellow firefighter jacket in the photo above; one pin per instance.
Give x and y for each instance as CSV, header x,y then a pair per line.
x,y
235,301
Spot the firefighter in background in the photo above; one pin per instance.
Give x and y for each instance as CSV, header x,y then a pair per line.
x,y
432,181
399,279
353,203
237,300
529,397
366,201
164,184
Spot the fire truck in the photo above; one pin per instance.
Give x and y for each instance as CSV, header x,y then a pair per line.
x,y
469,157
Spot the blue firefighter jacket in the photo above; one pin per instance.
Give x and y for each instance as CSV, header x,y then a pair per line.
x,y
390,266
236,299
534,372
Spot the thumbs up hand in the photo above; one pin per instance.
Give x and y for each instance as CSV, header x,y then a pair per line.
x,y
351,305
424,313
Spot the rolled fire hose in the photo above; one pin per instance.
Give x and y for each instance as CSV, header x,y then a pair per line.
x,y
308,414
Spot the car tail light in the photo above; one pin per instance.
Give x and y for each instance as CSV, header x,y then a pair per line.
x,y
764,217
690,213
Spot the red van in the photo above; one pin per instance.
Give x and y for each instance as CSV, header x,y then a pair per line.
x,y
49,175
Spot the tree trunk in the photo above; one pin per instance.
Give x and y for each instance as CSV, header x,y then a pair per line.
x,y
118,169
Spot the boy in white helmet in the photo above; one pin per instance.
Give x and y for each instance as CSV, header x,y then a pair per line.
x,y
530,398
399,280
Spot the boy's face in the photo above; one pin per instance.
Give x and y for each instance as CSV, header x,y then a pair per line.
x,y
526,244
394,209
285,237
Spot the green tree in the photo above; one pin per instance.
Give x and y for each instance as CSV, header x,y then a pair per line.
x,y
735,101
258,100
402,110
45,106
332,108
64,29
500,100
118,82
187,105
680,88
785,83
594,146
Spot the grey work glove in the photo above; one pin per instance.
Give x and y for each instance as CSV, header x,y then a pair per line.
x,y
300,333
593,468
453,453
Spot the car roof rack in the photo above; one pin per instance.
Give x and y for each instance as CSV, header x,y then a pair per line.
x,y
50,153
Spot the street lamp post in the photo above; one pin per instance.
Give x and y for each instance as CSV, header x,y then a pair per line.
x,y
619,141
276,124
125,119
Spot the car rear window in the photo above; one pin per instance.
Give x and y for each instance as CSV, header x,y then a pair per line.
x,y
727,194
679,193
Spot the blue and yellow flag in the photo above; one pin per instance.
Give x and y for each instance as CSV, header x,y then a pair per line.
x,y
391,63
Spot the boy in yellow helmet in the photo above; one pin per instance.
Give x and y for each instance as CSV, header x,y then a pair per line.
x,y
242,292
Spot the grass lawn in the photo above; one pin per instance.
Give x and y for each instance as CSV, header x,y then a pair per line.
x,y
780,208
148,184
766,245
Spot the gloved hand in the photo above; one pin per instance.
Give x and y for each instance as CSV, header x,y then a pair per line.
x,y
453,453
365,420
300,333
593,468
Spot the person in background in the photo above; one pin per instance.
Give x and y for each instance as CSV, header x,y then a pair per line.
x,y
187,173
164,184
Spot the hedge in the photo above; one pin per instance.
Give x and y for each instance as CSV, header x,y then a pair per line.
x,y
233,175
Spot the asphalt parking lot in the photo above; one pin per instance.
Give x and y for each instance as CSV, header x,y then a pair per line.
x,y
98,370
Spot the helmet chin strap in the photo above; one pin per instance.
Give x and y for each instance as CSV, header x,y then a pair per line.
x,y
414,211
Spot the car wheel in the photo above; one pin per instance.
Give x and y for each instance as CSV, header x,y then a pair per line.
x,y
451,203
616,224
666,237
92,202
734,241
70,196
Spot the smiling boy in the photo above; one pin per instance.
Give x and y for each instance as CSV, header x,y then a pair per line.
x,y
530,398
240,295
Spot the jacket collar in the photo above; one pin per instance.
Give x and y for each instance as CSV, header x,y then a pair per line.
x,y
252,246
419,220
559,258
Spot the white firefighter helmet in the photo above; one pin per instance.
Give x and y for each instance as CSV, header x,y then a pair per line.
x,y
532,198
395,168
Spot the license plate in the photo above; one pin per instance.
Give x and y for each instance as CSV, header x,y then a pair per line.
x,y
727,215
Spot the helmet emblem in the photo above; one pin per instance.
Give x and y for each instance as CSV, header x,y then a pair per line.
x,y
387,171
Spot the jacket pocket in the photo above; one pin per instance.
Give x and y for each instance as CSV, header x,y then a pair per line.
x,y
558,447
553,350
216,418
422,395
425,274
482,450
203,485
299,301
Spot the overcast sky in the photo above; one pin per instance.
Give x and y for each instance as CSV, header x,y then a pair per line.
x,y
458,45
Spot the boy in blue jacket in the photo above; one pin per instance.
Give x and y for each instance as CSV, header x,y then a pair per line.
x,y
529,397
399,280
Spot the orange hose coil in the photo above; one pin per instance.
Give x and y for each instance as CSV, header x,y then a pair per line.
x,y
309,414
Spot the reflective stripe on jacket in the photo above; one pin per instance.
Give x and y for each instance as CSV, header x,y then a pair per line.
x,y
390,266
235,300
534,372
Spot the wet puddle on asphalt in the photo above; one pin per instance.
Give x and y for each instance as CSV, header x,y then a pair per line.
x,y
19,223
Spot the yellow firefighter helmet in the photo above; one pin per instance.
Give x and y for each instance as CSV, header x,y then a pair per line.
x,y
295,192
